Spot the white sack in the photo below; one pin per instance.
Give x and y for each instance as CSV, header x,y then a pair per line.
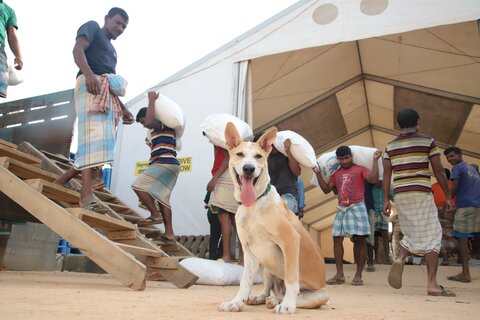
x,y
214,273
214,128
362,156
14,76
301,149
170,114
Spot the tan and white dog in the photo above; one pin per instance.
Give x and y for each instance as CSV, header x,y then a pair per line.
x,y
271,235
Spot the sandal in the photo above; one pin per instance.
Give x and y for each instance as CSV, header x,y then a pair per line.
x,y
96,207
357,282
149,221
333,281
165,240
395,274
444,293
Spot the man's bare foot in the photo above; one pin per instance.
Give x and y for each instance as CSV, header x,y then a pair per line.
x,y
460,278
336,280
357,281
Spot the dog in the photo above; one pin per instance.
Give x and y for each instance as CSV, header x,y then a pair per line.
x,y
271,235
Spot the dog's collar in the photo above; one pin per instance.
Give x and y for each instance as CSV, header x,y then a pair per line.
x,y
269,186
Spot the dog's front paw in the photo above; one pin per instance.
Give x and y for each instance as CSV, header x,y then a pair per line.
x,y
284,308
230,306
272,302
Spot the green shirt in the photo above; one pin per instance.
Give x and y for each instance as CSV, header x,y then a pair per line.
x,y
7,18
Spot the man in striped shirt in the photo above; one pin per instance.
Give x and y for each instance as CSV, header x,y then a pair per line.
x,y
408,158
154,185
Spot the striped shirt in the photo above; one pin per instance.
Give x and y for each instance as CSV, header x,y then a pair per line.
x,y
409,155
162,144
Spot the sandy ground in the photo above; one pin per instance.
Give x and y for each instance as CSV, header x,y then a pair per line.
x,y
56,295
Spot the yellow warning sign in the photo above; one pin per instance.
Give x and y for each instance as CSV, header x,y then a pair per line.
x,y
185,165
140,166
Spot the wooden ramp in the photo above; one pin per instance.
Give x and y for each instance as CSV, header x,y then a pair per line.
x,y
113,241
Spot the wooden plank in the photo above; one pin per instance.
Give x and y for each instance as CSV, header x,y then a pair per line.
x,y
140,251
64,166
56,157
162,263
8,144
181,278
4,162
27,171
129,217
95,246
101,221
47,164
6,151
119,208
196,244
202,250
54,191
104,196
122,235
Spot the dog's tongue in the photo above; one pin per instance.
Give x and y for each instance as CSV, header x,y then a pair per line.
x,y
247,193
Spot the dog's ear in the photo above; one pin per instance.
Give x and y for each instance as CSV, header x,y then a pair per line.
x,y
266,140
232,138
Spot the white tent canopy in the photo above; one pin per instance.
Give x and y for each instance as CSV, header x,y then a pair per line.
x,y
334,71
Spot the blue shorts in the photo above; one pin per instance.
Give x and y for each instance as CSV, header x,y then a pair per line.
x,y
458,234
291,201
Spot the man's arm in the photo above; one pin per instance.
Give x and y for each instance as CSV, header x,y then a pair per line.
x,y
15,47
439,172
373,176
82,44
150,121
326,187
223,167
127,116
292,163
387,176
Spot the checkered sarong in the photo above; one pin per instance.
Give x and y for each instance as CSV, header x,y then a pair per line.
x,y
467,220
223,195
158,180
418,218
381,221
96,132
351,220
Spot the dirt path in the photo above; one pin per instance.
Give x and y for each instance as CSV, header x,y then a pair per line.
x,y
52,295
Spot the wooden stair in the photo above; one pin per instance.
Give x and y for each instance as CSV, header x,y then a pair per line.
x,y
110,240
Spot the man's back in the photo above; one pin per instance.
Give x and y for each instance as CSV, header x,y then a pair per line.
x,y
281,176
468,193
410,155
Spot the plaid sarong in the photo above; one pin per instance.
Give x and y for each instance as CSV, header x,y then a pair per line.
x,y
158,180
381,221
351,221
371,221
3,73
467,220
223,195
96,132
418,217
